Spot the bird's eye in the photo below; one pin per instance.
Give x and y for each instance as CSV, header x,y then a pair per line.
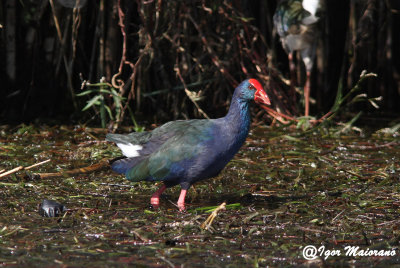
x,y
252,87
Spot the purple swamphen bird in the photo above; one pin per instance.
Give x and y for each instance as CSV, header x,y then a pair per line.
x,y
297,26
186,151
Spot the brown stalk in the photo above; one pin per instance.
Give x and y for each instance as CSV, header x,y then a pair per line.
x,y
85,170
188,93
207,223
213,55
67,69
14,170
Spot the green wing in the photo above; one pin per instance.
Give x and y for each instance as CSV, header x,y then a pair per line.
x,y
168,160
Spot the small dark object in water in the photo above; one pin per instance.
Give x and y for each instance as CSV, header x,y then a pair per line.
x,y
171,243
51,208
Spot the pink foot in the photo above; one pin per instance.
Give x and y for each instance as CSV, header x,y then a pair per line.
x,y
181,201
155,198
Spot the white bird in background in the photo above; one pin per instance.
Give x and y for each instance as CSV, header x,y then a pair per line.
x,y
297,25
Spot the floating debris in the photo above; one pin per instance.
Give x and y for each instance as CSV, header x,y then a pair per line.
x,y
51,208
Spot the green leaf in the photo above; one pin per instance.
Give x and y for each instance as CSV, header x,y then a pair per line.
x,y
136,126
291,138
103,113
109,112
93,101
86,92
98,85
103,90
115,93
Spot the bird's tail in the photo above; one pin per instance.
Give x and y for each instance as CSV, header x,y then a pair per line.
x,y
122,164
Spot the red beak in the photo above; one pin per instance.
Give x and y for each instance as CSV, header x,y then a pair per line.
x,y
260,96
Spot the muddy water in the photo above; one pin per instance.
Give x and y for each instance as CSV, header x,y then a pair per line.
x,y
284,191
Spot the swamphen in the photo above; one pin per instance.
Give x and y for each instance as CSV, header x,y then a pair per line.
x,y
186,151
296,24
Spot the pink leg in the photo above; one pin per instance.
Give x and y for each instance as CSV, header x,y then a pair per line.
x,y
307,94
155,198
181,200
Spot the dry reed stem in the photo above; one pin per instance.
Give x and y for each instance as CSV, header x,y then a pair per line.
x,y
14,170
207,223
89,169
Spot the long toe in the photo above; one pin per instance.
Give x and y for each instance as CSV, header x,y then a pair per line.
x,y
182,207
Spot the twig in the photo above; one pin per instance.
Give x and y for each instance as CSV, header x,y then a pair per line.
x,y
67,69
374,147
77,171
364,75
121,85
144,239
121,16
173,203
329,115
312,230
278,116
117,185
14,170
213,55
178,72
352,173
167,261
206,225
37,164
134,67
337,216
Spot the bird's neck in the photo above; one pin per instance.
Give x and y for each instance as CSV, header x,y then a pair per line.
x,y
238,119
